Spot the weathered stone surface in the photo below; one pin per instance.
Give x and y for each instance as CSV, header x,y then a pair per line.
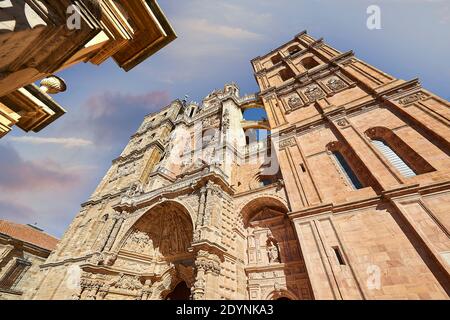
x,y
324,215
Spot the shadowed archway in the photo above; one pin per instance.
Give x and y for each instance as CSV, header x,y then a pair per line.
x,y
164,233
272,244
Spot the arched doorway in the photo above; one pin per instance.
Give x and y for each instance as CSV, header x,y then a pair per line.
x,y
163,234
157,245
181,292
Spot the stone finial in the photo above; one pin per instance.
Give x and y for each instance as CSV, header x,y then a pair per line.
x,y
53,85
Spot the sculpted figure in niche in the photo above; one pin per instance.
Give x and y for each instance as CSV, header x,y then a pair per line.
x,y
273,250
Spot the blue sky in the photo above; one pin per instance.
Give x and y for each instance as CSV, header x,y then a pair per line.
x,y
49,175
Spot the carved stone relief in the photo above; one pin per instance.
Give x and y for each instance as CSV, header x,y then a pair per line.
x,y
314,92
335,84
140,242
412,98
125,169
127,282
287,143
294,102
163,232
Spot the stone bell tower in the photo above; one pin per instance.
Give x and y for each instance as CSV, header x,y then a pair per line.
x,y
365,161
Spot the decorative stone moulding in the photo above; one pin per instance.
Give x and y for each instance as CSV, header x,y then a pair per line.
x,y
314,93
412,98
335,84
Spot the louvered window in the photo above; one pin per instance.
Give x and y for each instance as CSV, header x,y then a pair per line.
x,y
393,158
347,170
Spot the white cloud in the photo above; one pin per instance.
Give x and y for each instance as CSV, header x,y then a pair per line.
x,y
203,26
65,142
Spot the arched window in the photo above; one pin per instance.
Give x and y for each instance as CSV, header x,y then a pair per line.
x,y
393,158
347,170
309,63
399,154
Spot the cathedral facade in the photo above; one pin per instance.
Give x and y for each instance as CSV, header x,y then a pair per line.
x,y
346,198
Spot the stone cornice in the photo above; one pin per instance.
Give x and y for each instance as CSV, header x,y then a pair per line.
x,y
169,106
98,200
139,152
400,90
66,261
185,185
26,246
398,192
281,46
153,127
302,80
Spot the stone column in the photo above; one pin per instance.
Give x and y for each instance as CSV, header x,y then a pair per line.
x,y
102,292
106,232
210,204
207,278
117,225
200,214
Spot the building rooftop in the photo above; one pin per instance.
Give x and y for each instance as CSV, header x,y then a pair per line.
x,y
28,234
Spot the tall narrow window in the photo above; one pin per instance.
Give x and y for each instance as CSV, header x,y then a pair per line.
x,y
393,158
13,275
339,256
347,170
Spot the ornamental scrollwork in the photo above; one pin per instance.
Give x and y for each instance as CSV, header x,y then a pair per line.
x,y
336,84
412,98
314,92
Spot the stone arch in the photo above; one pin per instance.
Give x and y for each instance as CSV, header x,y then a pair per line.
x,y
405,152
163,231
125,233
170,280
271,242
281,293
263,200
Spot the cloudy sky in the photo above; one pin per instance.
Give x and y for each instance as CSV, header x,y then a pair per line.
x,y
46,176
